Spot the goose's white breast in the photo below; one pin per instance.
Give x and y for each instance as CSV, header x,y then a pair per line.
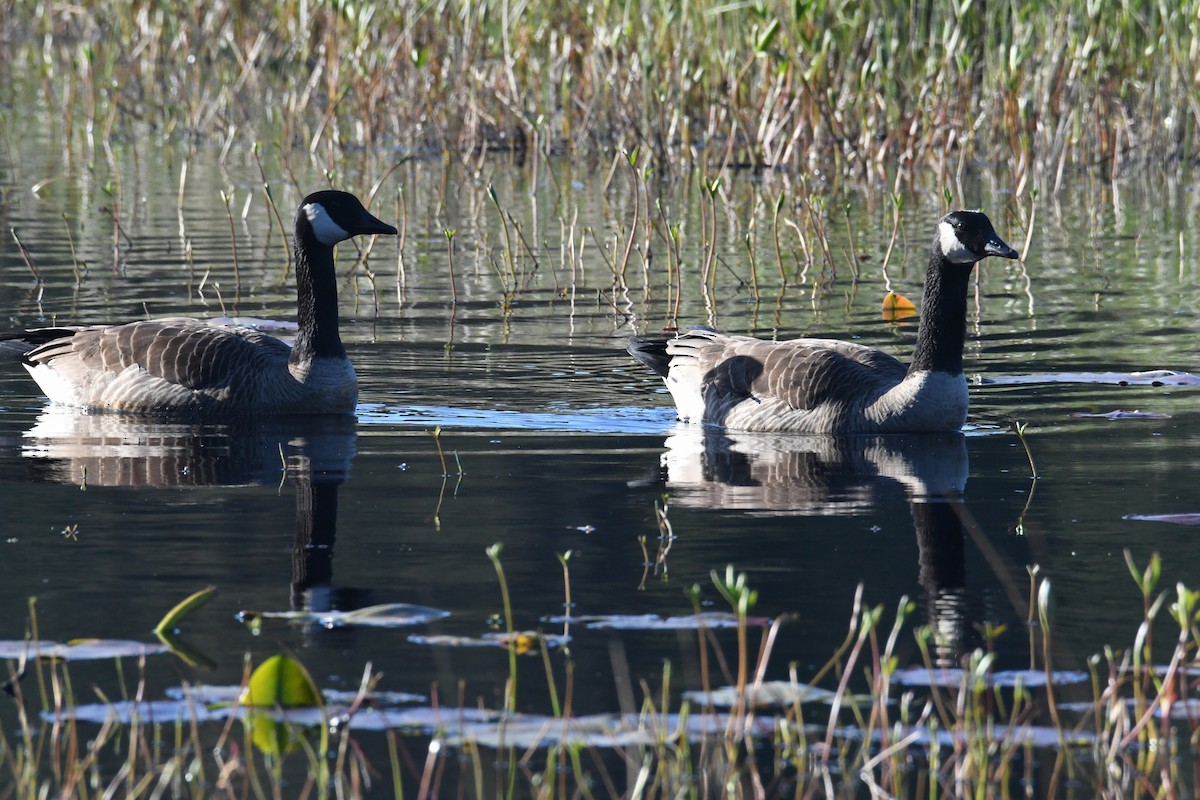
x,y
924,401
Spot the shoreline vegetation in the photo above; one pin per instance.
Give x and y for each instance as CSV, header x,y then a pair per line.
x,y
1121,723
869,91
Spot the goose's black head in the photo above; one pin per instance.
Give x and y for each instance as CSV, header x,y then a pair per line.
x,y
332,216
964,237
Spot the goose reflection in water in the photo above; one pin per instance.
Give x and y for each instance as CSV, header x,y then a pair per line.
x,y
66,446
819,475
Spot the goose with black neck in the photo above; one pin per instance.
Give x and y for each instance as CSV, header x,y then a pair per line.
x,y
830,386
184,365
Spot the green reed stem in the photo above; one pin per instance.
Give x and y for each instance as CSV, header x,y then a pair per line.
x,y
510,693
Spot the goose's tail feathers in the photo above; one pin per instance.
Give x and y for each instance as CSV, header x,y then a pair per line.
x,y
651,351
15,345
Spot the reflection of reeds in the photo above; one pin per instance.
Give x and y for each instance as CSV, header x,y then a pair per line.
x,y
26,257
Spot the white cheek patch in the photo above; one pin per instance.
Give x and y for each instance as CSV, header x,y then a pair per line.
x,y
952,248
324,228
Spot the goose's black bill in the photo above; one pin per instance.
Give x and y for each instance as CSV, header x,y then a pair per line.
x,y
997,247
368,224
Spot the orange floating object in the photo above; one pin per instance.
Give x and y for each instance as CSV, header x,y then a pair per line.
x,y
897,307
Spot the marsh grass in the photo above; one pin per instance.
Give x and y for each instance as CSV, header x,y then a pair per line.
x,y
834,86
1127,720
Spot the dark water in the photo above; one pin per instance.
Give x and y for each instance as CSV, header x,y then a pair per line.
x,y
556,441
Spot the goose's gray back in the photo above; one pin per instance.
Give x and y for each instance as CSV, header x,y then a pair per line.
x,y
811,385
186,365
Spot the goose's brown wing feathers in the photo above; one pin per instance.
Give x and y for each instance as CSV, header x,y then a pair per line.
x,y
183,352
803,373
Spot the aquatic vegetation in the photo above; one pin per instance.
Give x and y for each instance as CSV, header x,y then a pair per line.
x,y
281,682
655,622
847,87
521,641
185,607
78,649
974,729
387,615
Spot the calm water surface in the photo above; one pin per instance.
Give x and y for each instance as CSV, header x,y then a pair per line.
x,y
564,443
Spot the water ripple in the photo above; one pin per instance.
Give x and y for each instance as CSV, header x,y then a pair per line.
x,y
623,420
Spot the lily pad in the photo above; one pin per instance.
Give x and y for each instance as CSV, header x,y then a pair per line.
x,y
532,731
526,641
653,622
770,693
1033,735
463,727
920,676
388,615
80,649
125,711
281,682
207,694
1184,708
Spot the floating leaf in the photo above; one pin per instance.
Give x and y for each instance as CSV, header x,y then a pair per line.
x,y
205,694
653,622
387,615
209,695
462,727
897,307
1032,735
770,693
281,682
1177,519
22,648
171,621
125,711
526,641
1183,708
375,698
920,676
535,732
79,649
1123,415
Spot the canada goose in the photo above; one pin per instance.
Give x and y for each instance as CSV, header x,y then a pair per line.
x,y
829,386
179,364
